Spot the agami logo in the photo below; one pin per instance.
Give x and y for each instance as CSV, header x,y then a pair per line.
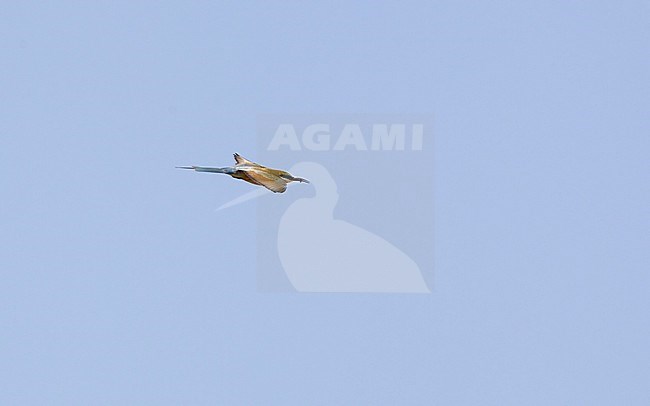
x,y
319,137
365,223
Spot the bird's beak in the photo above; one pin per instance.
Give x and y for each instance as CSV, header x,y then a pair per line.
x,y
185,167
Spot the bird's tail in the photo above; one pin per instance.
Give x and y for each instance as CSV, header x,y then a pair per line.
x,y
227,170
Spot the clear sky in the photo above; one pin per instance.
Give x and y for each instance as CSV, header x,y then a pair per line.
x,y
120,284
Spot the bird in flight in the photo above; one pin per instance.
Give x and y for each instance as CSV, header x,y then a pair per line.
x,y
275,180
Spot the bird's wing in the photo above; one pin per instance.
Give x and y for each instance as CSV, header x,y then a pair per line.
x,y
273,183
243,161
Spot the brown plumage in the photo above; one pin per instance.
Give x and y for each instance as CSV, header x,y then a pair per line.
x,y
275,180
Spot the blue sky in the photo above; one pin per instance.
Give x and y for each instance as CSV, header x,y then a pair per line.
x,y
121,285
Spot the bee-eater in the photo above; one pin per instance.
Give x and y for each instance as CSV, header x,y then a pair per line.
x,y
275,180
